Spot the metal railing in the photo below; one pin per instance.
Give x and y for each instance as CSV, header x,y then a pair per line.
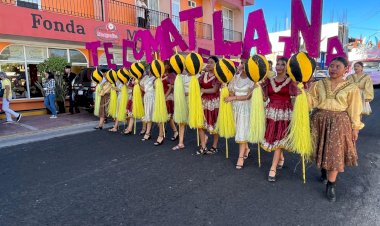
x,y
124,13
203,30
231,35
92,9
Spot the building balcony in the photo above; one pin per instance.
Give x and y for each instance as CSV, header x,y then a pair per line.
x,y
90,9
203,30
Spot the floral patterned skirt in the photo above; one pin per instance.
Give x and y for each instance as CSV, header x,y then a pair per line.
x,y
332,136
129,107
170,105
104,101
211,111
278,115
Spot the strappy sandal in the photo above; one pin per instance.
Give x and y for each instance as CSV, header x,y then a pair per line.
x,y
142,133
239,167
212,151
270,178
126,132
280,166
157,143
112,130
175,137
178,147
146,137
202,151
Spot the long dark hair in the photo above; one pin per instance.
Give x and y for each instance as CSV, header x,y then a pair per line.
x,y
51,75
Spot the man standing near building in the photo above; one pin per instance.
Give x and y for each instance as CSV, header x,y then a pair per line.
x,y
140,11
7,86
70,83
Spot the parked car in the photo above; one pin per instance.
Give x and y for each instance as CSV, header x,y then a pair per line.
x,y
371,68
83,89
320,74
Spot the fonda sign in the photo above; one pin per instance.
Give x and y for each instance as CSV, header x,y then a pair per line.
x,y
167,37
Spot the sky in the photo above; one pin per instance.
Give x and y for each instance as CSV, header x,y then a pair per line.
x,y
362,17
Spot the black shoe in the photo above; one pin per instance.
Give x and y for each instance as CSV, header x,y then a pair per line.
x,y
272,179
99,127
330,191
323,177
146,137
175,137
159,143
18,117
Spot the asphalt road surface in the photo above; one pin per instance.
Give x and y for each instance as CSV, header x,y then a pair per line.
x,y
103,178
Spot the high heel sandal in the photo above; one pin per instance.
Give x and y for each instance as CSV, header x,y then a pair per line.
x,y
142,133
201,151
175,137
280,166
147,136
126,132
270,178
212,151
157,143
99,127
239,167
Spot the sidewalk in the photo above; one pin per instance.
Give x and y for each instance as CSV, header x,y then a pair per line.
x,y
41,127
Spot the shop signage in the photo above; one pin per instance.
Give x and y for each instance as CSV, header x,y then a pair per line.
x,y
107,33
38,22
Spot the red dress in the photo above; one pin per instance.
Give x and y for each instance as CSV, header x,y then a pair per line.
x,y
130,85
210,101
168,80
278,112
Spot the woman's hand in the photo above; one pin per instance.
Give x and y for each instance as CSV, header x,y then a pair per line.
x,y
229,99
355,134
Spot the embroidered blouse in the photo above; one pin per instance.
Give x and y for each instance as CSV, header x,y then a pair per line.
x,y
345,97
364,82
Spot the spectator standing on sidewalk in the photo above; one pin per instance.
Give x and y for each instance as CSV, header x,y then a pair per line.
x,y
70,83
49,87
7,86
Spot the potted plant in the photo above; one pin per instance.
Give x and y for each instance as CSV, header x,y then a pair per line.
x,y
55,65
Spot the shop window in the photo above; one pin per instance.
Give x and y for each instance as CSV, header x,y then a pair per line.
x,y
35,54
13,53
77,57
58,53
16,74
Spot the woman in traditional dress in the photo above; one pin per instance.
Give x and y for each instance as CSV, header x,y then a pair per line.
x,y
104,100
335,123
130,118
147,85
365,84
181,127
278,91
168,79
118,87
240,94
209,85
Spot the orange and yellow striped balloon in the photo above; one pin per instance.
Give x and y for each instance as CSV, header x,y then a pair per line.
x,y
111,76
256,67
194,63
224,70
137,70
177,62
157,68
301,67
123,75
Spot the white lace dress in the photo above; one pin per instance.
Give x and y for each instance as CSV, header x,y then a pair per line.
x,y
242,109
148,84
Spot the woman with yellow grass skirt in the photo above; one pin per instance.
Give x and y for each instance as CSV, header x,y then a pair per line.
x,y
365,84
335,123
147,85
240,94
118,87
181,126
104,101
168,79
278,91
130,117
209,85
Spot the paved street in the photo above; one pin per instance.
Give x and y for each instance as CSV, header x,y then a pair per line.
x,y
103,178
